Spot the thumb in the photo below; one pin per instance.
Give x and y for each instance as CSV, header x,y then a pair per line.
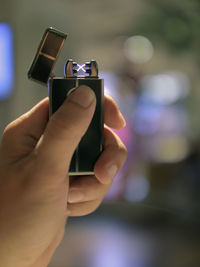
x,y
65,130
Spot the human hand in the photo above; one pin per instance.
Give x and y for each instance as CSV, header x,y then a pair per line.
x,y
35,195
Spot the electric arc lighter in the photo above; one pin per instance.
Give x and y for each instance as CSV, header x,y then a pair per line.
x,y
91,144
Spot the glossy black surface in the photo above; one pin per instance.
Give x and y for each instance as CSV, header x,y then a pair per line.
x,y
46,56
91,144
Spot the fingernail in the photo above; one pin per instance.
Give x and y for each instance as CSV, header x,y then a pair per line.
x,y
112,170
83,96
75,196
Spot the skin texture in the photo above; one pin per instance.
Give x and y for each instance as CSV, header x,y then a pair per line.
x,y
36,194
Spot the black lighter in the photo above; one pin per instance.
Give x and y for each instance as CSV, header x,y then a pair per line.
x,y
91,144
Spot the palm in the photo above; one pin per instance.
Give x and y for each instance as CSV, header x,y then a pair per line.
x,y
45,257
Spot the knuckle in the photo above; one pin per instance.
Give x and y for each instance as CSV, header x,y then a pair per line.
x,y
60,125
58,122
7,131
8,135
12,129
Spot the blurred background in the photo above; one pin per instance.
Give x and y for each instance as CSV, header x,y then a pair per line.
x,y
148,53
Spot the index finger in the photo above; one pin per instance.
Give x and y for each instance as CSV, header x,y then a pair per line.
x,y
112,115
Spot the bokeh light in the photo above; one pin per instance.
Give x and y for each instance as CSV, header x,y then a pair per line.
x,y
171,149
165,88
137,188
138,49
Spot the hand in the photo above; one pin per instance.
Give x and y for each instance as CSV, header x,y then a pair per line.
x,y
35,195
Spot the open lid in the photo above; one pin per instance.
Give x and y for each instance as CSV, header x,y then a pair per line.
x,y
46,56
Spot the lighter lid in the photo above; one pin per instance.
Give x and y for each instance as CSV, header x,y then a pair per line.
x,y
46,55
